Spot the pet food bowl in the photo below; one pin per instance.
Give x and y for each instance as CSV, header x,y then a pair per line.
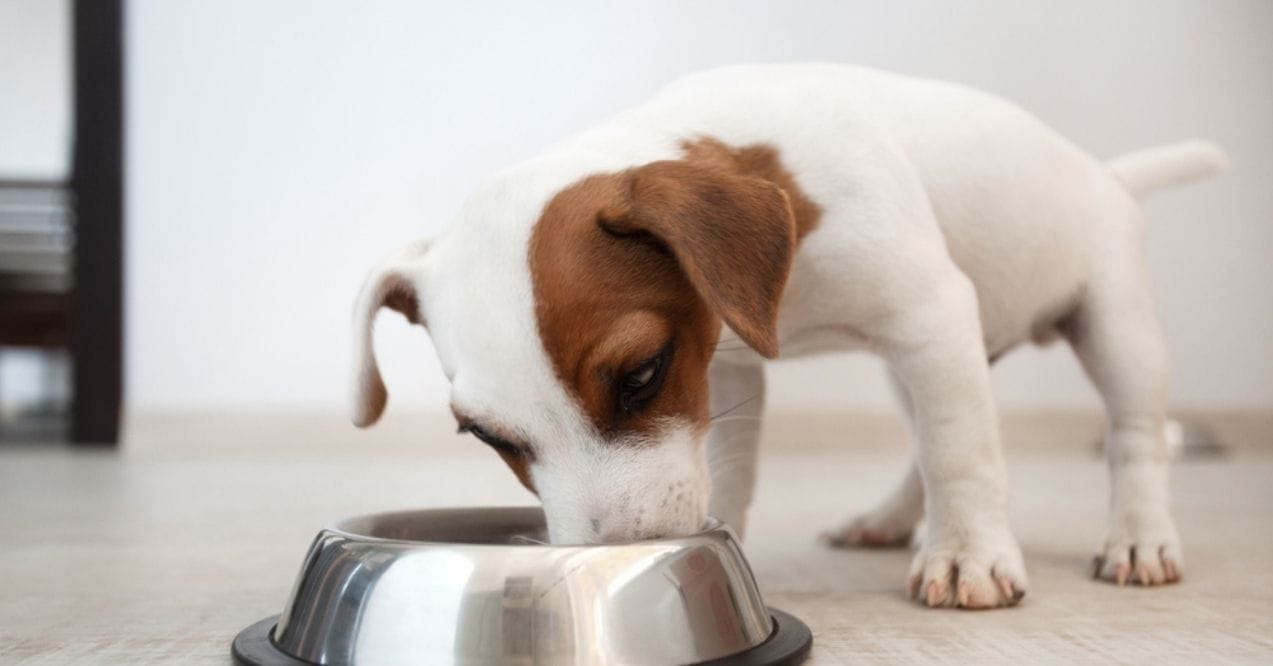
x,y
479,586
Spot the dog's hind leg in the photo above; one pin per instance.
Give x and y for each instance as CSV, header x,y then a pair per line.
x,y
893,520
737,401
1116,336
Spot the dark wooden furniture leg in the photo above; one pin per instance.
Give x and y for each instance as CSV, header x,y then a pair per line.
x,y
98,186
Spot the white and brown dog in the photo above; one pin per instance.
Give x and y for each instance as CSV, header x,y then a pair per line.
x,y
597,307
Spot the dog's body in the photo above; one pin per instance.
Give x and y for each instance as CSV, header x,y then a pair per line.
x,y
584,299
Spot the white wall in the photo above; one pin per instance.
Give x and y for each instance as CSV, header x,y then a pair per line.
x,y
277,149
35,89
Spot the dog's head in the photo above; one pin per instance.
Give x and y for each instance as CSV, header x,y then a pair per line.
x,y
576,321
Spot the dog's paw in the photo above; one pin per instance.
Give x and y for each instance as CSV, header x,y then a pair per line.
x,y
877,529
989,574
1140,552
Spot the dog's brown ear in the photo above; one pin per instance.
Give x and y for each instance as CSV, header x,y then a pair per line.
x,y
391,284
733,236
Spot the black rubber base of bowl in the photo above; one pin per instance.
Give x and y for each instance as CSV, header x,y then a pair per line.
x,y
788,644
254,647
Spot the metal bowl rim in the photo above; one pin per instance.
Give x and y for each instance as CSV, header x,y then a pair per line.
x,y
711,528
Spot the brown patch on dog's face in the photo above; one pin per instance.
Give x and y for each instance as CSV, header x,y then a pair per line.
x,y
607,304
637,269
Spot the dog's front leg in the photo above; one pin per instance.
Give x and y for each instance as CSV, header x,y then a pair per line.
x,y
968,556
737,399
893,520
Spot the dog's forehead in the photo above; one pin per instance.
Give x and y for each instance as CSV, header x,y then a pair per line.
x,y
481,311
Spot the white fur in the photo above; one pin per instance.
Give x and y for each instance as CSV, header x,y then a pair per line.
x,y
955,226
1164,166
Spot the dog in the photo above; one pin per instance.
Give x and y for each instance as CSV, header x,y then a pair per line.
x,y
603,311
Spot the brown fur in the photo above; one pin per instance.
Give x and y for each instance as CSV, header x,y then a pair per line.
x,y
605,304
521,467
760,161
624,262
401,296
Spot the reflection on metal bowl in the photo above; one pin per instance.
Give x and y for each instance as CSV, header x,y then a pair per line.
x,y
479,586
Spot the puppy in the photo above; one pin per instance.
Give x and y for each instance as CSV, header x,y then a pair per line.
x,y
603,311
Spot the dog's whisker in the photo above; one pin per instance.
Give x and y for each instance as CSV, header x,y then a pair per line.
x,y
729,460
722,413
737,417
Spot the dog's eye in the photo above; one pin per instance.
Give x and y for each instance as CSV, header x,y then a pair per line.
x,y
637,387
642,376
492,441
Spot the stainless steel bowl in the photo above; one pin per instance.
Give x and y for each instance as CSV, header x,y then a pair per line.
x,y
479,586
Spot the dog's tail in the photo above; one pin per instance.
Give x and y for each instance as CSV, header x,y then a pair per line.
x,y
1154,168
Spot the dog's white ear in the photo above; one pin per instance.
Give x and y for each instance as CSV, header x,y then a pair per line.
x,y
391,284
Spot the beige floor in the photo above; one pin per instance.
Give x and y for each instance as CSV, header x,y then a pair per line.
x,y
163,552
